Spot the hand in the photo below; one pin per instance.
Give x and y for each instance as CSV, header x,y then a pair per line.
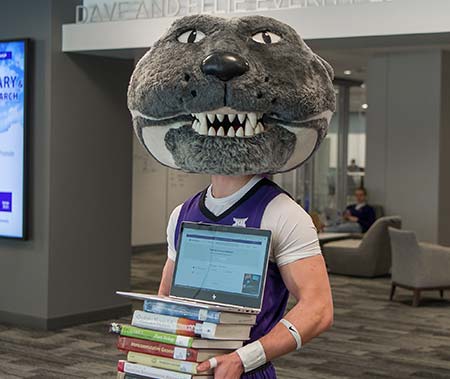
x,y
229,366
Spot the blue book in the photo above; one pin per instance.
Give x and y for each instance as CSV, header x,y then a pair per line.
x,y
197,314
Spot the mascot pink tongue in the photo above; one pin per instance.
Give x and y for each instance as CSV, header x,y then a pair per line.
x,y
234,97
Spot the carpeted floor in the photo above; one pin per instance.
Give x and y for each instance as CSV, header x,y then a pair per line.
x,y
371,337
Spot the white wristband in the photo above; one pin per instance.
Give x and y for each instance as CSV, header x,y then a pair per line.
x,y
293,330
252,355
212,363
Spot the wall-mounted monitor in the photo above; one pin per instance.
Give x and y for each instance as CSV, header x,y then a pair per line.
x,y
13,138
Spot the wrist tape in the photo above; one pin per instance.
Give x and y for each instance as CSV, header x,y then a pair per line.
x,y
252,355
293,330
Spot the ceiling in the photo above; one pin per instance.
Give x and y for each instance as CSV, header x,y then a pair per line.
x,y
354,55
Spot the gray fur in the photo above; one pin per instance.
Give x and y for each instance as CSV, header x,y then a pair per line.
x,y
194,153
286,81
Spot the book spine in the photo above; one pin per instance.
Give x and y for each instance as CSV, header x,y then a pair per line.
x,y
156,348
178,310
151,335
161,362
133,376
169,324
150,372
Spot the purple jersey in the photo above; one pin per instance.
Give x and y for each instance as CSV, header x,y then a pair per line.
x,y
248,212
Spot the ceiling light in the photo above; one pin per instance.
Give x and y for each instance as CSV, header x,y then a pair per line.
x,y
347,72
364,106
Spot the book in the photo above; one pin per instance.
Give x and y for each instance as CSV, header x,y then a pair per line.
x,y
166,350
200,343
152,335
169,324
162,362
173,339
185,327
196,313
154,372
123,375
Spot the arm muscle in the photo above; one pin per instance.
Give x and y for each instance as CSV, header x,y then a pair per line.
x,y
307,280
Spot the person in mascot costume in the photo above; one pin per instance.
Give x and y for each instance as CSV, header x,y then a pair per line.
x,y
238,98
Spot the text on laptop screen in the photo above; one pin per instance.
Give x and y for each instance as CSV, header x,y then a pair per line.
x,y
222,261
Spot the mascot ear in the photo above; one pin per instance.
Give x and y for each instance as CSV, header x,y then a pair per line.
x,y
327,66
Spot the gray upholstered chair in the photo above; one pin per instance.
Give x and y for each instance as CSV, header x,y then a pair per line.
x,y
366,257
379,210
418,266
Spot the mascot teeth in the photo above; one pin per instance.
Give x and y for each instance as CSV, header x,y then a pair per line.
x,y
228,125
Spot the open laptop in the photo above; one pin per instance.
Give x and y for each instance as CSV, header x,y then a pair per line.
x,y
218,267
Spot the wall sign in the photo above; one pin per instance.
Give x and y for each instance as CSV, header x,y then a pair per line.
x,y
107,11
13,55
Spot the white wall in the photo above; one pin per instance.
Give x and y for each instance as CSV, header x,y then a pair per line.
x,y
157,190
404,171
149,198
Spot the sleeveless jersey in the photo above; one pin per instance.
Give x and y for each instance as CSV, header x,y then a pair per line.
x,y
248,212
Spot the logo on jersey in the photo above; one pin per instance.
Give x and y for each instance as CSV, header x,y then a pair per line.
x,y
240,222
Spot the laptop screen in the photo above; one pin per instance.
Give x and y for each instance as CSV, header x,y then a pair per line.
x,y
221,264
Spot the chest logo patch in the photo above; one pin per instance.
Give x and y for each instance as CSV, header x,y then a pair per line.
x,y
240,222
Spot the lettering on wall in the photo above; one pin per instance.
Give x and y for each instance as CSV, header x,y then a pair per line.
x,y
147,9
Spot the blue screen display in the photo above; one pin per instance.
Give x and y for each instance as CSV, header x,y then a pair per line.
x,y
216,260
12,108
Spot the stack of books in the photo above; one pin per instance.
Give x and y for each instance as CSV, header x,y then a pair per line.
x,y
168,340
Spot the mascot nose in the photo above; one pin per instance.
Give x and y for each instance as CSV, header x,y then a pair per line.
x,y
224,66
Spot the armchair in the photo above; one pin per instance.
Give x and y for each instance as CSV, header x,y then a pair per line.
x,y
418,266
366,257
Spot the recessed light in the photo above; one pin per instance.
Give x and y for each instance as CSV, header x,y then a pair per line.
x,y
347,72
364,106
363,85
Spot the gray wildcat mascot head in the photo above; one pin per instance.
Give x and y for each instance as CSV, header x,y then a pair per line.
x,y
231,96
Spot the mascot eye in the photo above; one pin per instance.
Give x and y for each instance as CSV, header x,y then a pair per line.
x,y
191,36
266,37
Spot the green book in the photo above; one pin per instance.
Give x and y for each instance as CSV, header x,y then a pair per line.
x,y
152,335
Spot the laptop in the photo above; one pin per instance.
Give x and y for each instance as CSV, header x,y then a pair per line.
x,y
219,268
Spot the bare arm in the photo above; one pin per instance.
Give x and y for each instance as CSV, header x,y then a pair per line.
x,y
166,279
307,280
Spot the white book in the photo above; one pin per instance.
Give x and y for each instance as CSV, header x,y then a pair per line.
x,y
153,372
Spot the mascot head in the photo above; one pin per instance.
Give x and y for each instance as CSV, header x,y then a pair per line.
x,y
231,96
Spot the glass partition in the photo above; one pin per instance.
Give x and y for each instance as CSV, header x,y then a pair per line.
x,y
325,167
356,154
326,183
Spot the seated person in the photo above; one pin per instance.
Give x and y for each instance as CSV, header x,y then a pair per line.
x,y
357,218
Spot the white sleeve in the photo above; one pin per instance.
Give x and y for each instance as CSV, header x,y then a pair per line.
x,y
171,226
294,235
